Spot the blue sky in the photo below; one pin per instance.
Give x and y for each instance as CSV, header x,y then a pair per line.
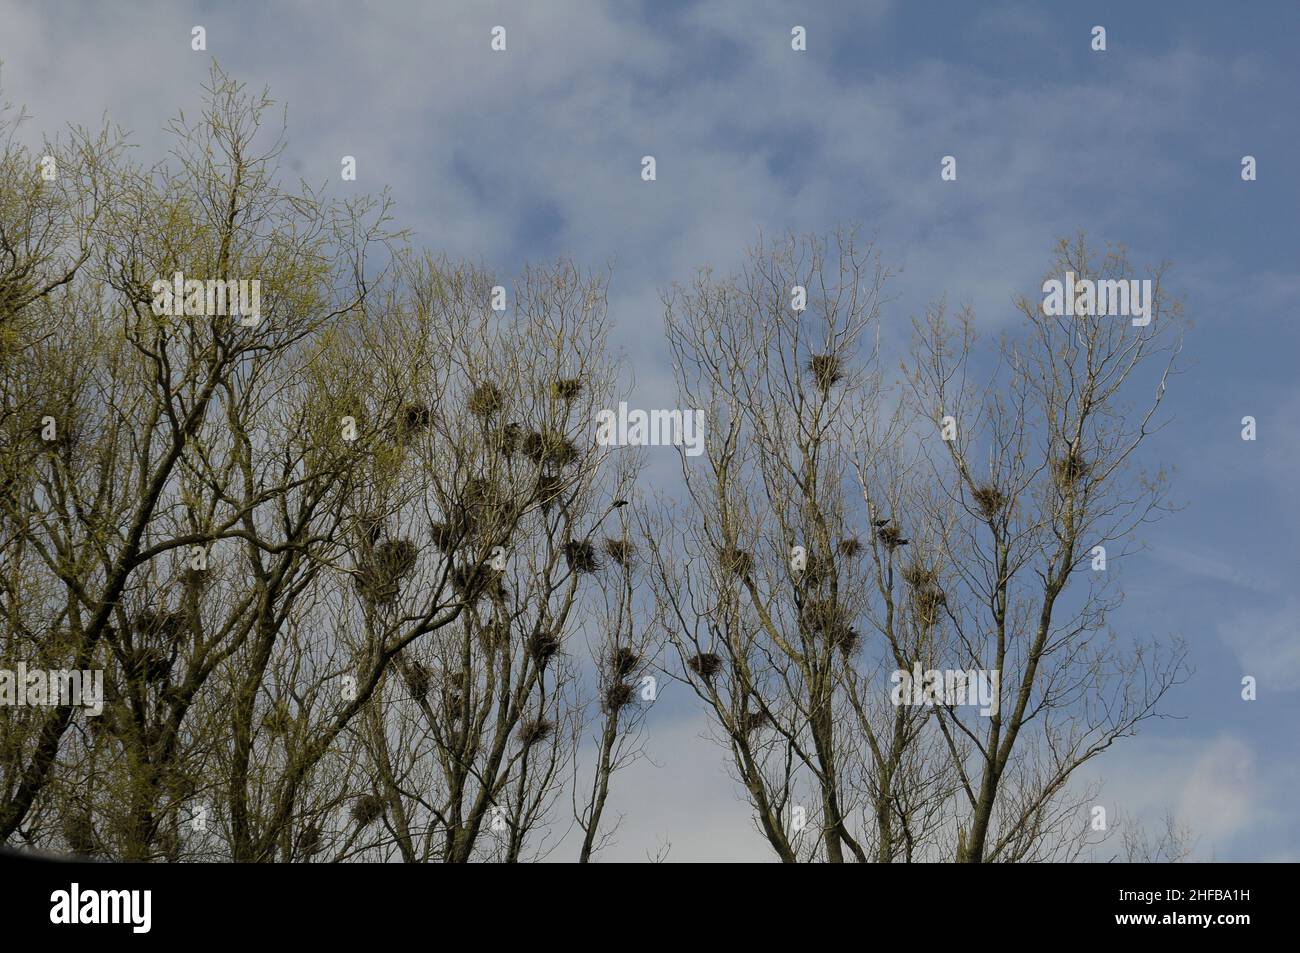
x,y
535,153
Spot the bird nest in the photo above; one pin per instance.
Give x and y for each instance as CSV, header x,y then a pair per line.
x,y
566,389
831,620
549,488
622,551
367,809
581,555
929,602
412,419
160,625
494,636
919,577
737,562
447,536
370,528
453,689
846,639
850,547
418,679
706,664
195,580
550,447
308,843
506,440
891,536
382,570
150,665
1070,469
535,730
471,582
989,499
278,720
826,369
483,501
623,662
751,721
542,645
619,695
79,832
484,400
816,570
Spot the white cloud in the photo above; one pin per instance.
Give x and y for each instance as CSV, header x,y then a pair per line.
x,y
1266,641
679,795
1219,793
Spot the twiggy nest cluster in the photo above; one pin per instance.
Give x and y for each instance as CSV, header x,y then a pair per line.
x,y
453,689
989,499
195,580
534,731
849,547
370,528
278,720
541,645
308,843
929,604
927,597
483,501
481,506
619,695
1070,468
706,664
826,369
549,488
151,665
367,809
474,581
623,662
412,419
737,562
567,389
817,570
891,536
484,400
751,721
494,636
79,832
831,620
581,555
550,448
622,551
448,536
919,577
846,640
506,440
418,679
160,625
383,568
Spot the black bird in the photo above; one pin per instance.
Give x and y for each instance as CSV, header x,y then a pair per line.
x,y
618,503
882,522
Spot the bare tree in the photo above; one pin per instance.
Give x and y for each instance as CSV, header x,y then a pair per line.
x,y
507,493
835,539
767,585
1027,539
